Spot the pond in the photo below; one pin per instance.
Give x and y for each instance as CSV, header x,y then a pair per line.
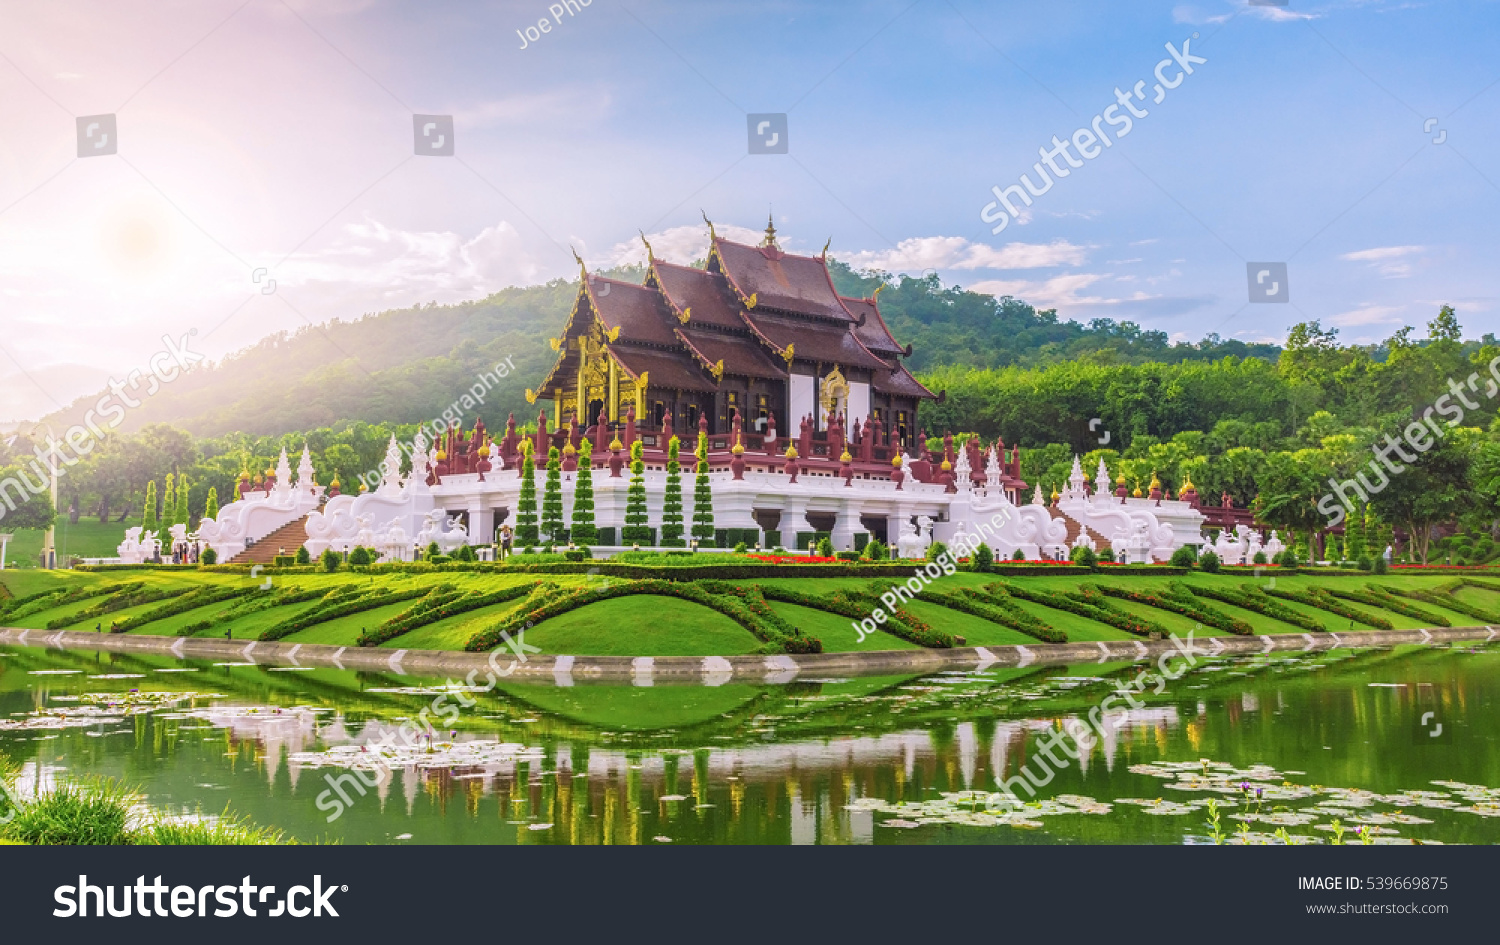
x,y
1397,744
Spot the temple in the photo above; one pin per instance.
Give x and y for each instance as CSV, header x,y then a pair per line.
x,y
807,411
757,333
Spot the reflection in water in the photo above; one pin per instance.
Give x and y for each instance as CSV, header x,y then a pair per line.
x,y
833,761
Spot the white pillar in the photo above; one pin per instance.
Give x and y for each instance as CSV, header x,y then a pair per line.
x,y
481,525
793,520
845,524
4,543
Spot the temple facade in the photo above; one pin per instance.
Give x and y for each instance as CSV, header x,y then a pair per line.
x,y
806,409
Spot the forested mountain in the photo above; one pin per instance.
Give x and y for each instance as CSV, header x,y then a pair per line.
x,y
406,365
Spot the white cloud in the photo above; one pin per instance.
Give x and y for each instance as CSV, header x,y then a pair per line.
x,y
1389,261
680,244
957,252
1367,314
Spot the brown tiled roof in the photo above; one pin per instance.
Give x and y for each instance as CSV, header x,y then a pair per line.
x,y
901,383
781,280
874,332
707,294
639,312
814,342
674,370
741,355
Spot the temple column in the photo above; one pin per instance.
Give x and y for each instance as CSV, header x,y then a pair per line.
x,y
793,520
481,525
845,524
614,391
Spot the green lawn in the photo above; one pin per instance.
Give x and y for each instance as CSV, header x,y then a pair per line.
x,y
642,625
452,633
657,626
345,631
835,631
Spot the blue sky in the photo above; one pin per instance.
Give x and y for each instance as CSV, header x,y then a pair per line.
x,y
278,135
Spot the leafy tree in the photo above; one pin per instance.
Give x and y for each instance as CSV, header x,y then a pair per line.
x,y
358,557
824,548
303,555
1431,490
703,499
671,507
552,504
211,507
1209,561
583,532
1184,557
635,529
20,507
983,560
526,529
330,560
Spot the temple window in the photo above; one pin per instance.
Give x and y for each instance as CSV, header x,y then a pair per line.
x,y
659,413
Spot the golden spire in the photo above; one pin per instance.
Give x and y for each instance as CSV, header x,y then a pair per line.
x,y
739,448
1137,492
791,452
1155,482
1120,481
615,444
1187,484
825,247
711,234
1055,494
896,460
650,256
770,239
846,458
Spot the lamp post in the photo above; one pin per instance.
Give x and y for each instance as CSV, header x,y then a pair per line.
x,y
5,538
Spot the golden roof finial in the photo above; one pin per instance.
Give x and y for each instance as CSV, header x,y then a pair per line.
x,y
770,239
739,448
1137,492
825,247
711,234
1187,484
1155,482
876,296
650,256
791,452
845,457
1055,494
579,259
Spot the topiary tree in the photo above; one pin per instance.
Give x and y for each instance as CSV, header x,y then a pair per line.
x,y
1379,566
552,508
583,532
876,551
740,547
983,558
526,530
1209,562
303,555
209,556
671,504
1018,556
182,515
703,499
360,557
1260,558
432,551
936,550
330,560
211,507
149,519
1183,557
466,553
824,548
1084,556
1108,554
635,529
169,502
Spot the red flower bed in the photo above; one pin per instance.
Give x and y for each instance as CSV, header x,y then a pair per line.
x,y
796,559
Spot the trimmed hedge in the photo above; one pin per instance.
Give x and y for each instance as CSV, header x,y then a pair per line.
x,y
1004,613
1251,600
46,600
132,597
1378,597
1321,599
340,607
440,606
1093,605
899,623
1449,602
1207,616
200,597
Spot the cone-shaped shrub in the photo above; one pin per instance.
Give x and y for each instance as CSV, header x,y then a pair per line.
x,y
583,532
703,499
552,507
636,529
526,530
671,506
